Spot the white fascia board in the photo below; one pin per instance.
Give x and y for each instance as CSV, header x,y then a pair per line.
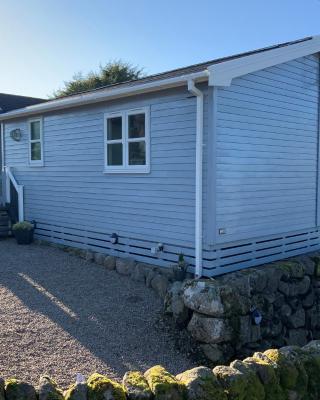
x,y
222,74
104,95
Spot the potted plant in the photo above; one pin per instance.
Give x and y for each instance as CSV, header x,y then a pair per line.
x,y
180,269
23,232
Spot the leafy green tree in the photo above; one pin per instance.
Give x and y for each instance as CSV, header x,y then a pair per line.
x,y
113,72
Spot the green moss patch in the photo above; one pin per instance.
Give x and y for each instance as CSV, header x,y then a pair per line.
x,y
102,388
164,386
202,384
266,370
293,376
136,386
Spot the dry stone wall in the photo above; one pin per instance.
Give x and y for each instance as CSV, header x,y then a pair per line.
x,y
254,309
286,374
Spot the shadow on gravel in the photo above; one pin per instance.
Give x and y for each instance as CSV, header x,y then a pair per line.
x,y
112,316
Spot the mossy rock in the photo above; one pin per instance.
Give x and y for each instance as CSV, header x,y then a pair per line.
x,y
78,391
201,384
233,381
310,357
136,386
255,389
266,370
164,386
316,260
48,389
102,388
294,269
293,376
18,390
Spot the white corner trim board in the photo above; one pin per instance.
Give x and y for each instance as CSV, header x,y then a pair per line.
x,y
222,74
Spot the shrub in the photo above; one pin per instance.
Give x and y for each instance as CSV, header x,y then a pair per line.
x,y
23,226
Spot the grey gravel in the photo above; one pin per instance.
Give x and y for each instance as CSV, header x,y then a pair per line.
x,y
61,315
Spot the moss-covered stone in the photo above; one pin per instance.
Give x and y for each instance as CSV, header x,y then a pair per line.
x,y
316,260
310,357
48,389
233,381
201,384
255,389
295,269
18,390
78,391
102,388
293,376
136,386
267,373
164,386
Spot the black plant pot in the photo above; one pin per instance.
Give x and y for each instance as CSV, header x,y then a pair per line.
x,y
24,236
179,274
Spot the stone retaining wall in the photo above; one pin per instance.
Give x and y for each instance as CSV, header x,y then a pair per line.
x,y
255,309
285,374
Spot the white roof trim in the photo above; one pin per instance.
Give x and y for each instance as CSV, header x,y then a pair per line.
x,y
222,74
103,95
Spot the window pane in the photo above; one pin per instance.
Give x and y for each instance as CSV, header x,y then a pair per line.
x,y
114,128
115,154
136,126
36,151
35,130
137,153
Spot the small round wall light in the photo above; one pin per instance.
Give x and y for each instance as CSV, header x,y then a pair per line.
x,y
114,238
16,135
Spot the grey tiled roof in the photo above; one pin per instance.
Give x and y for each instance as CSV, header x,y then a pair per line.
x,y
191,68
9,102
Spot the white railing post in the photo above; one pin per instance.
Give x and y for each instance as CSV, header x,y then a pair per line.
x,y
19,188
8,194
21,203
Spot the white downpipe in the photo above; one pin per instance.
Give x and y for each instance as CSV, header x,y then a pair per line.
x,y
2,172
199,156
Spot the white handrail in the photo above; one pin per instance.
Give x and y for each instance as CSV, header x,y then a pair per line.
x,y
19,189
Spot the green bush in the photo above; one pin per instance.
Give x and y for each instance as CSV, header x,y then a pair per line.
x,y
23,226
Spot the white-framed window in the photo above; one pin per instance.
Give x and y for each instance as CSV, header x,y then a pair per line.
x,y
127,141
35,142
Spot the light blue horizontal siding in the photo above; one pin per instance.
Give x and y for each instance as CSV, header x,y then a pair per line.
x,y
266,148
72,192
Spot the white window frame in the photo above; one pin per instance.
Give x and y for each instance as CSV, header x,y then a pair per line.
x,y
125,140
35,163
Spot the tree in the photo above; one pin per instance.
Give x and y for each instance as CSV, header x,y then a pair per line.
x,y
113,72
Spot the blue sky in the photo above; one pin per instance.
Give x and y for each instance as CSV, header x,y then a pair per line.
x,y
44,42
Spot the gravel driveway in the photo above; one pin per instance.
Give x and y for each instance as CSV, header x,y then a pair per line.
x,y
61,315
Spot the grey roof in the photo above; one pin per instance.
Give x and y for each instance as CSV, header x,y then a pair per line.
x,y
9,102
191,68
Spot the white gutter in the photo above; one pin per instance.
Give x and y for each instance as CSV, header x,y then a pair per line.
x,y
104,94
199,156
